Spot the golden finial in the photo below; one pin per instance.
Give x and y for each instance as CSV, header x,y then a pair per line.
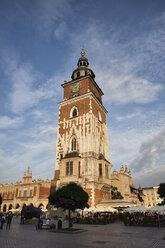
x,y
82,52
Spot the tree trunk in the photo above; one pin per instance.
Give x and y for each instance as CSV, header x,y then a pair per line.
x,y
70,221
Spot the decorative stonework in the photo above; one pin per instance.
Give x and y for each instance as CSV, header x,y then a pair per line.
x,y
88,164
123,181
27,192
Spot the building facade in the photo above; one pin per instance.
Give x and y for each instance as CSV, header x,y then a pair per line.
x,y
82,153
151,196
123,181
25,192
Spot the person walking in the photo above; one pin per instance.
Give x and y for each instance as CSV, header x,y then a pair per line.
x,y
8,220
2,221
22,218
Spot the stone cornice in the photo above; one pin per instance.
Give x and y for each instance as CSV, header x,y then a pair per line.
x,y
80,79
78,98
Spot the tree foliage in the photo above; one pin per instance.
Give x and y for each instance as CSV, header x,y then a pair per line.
x,y
70,197
0,199
161,192
115,194
30,211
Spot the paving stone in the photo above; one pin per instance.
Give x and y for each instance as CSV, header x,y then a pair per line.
x,y
104,236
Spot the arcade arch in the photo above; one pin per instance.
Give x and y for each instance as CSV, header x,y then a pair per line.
x,y
41,205
10,207
4,208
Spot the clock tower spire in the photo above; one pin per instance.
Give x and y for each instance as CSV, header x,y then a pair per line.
x,y
82,153
82,67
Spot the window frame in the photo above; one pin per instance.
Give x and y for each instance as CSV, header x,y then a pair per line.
x,y
73,144
100,170
72,111
69,168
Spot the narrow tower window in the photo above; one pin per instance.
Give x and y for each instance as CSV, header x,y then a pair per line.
x,y
73,144
69,168
100,170
79,170
78,74
74,112
106,171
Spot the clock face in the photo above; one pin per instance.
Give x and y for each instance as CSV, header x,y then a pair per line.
x,y
76,87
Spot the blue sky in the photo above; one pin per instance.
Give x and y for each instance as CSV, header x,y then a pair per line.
x,y
40,43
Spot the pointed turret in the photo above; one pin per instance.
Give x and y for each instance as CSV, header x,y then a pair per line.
x,y
82,70
126,169
122,169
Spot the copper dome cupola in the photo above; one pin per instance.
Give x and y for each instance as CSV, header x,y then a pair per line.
x,y
82,70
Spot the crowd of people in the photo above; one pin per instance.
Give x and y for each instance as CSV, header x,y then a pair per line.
x,y
6,218
129,218
144,218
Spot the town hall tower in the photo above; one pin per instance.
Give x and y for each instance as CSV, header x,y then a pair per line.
x,y
82,153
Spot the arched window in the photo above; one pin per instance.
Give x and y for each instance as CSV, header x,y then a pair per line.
x,y
73,112
78,74
73,145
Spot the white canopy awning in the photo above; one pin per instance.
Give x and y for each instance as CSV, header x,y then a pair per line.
x,y
101,209
136,209
158,209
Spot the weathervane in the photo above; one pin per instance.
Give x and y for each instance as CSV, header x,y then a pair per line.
x,y
82,52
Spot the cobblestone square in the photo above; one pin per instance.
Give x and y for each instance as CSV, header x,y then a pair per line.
x,y
113,235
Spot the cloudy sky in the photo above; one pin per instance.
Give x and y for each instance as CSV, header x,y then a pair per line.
x,y
40,43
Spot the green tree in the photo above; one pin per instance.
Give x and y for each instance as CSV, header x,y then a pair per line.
x,y
115,194
161,192
30,211
70,197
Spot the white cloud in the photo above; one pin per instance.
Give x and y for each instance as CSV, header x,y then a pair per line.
x,y
28,88
7,122
38,152
119,65
125,89
150,177
50,16
150,152
60,30
129,116
124,145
